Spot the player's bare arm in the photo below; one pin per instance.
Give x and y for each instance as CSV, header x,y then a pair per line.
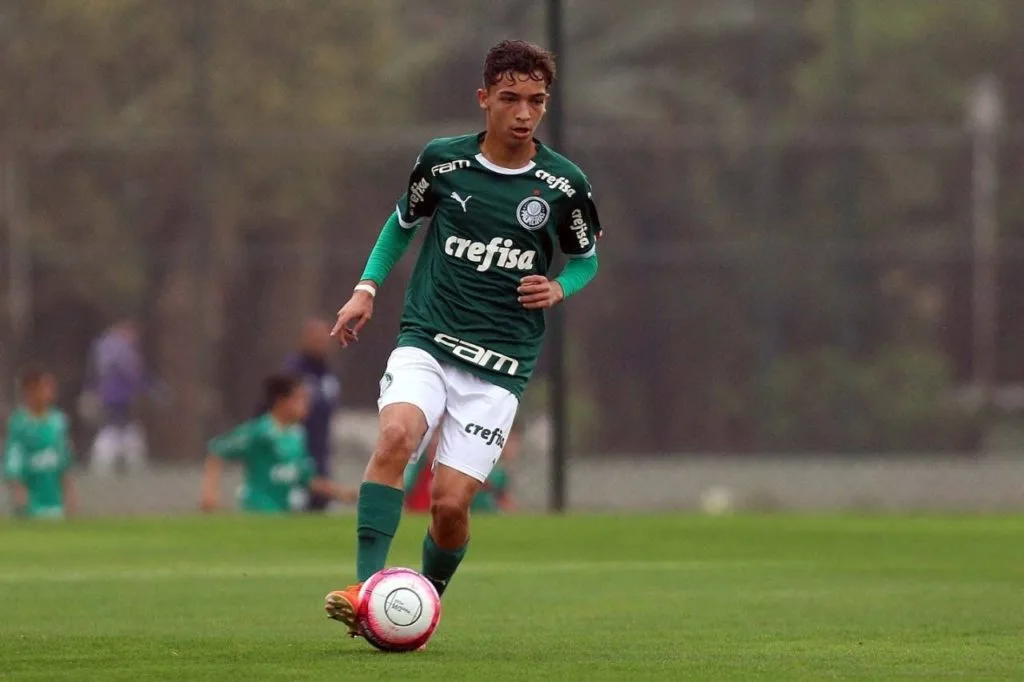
x,y
19,494
326,488
209,497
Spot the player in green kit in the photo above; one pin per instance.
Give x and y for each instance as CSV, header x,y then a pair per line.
x,y
37,451
272,450
499,203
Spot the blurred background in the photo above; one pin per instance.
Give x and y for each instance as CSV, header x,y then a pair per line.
x,y
812,280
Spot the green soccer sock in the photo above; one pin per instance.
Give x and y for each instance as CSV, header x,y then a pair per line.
x,y
439,564
378,512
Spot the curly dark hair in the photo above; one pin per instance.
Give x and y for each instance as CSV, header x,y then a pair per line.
x,y
517,56
278,387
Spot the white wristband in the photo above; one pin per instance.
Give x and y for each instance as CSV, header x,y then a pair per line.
x,y
371,290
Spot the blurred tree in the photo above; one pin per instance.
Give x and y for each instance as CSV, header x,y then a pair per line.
x,y
99,105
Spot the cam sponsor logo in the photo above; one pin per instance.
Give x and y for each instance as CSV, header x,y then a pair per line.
x,y
498,253
556,182
417,192
533,213
579,228
477,355
489,436
449,166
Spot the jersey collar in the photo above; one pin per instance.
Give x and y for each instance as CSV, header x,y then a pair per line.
x,y
502,170
482,160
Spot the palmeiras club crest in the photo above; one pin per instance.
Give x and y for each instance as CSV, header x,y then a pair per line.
x,y
533,213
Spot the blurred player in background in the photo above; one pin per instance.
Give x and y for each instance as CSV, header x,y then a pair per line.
x,y
117,379
310,364
272,451
499,203
37,451
494,496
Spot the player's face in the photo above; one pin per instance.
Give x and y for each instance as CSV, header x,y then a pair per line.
x,y
42,393
296,406
514,106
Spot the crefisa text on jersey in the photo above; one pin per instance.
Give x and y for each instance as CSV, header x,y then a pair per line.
x,y
579,228
417,193
559,183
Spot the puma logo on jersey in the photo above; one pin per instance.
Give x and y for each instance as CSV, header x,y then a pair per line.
x,y
462,202
498,253
559,183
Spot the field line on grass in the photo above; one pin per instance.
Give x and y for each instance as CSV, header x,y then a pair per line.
x,y
218,572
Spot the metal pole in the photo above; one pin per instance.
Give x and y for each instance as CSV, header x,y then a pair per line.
x,y
846,186
556,319
7,366
203,241
762,200
985,116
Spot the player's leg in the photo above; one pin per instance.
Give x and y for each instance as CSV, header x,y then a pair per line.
x,y
478,418
447,537
133,444
315,502
411,403
403,426
106,447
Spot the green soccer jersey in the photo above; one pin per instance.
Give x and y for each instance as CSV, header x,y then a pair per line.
x,y
275,461
37,454
490,227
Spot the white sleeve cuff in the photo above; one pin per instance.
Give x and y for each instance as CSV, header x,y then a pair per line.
x,y
405,225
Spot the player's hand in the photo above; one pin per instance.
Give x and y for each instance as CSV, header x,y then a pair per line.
x,y
352,317
537,291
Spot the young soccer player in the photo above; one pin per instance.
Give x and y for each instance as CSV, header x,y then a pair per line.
x,y
37,451
500,202
272,449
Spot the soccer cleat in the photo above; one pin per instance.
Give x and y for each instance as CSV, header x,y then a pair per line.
x,y
342,605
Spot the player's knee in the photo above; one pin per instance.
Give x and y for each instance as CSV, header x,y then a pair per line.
x,y
397,441
449,513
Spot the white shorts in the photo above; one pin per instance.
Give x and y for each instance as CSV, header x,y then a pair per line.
x,y
474,416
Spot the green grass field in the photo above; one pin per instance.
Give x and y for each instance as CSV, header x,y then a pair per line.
x,y
575,598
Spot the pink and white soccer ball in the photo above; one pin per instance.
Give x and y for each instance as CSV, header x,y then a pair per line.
x,y
398,609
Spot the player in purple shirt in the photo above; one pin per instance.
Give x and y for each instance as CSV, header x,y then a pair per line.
x,y
117,379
